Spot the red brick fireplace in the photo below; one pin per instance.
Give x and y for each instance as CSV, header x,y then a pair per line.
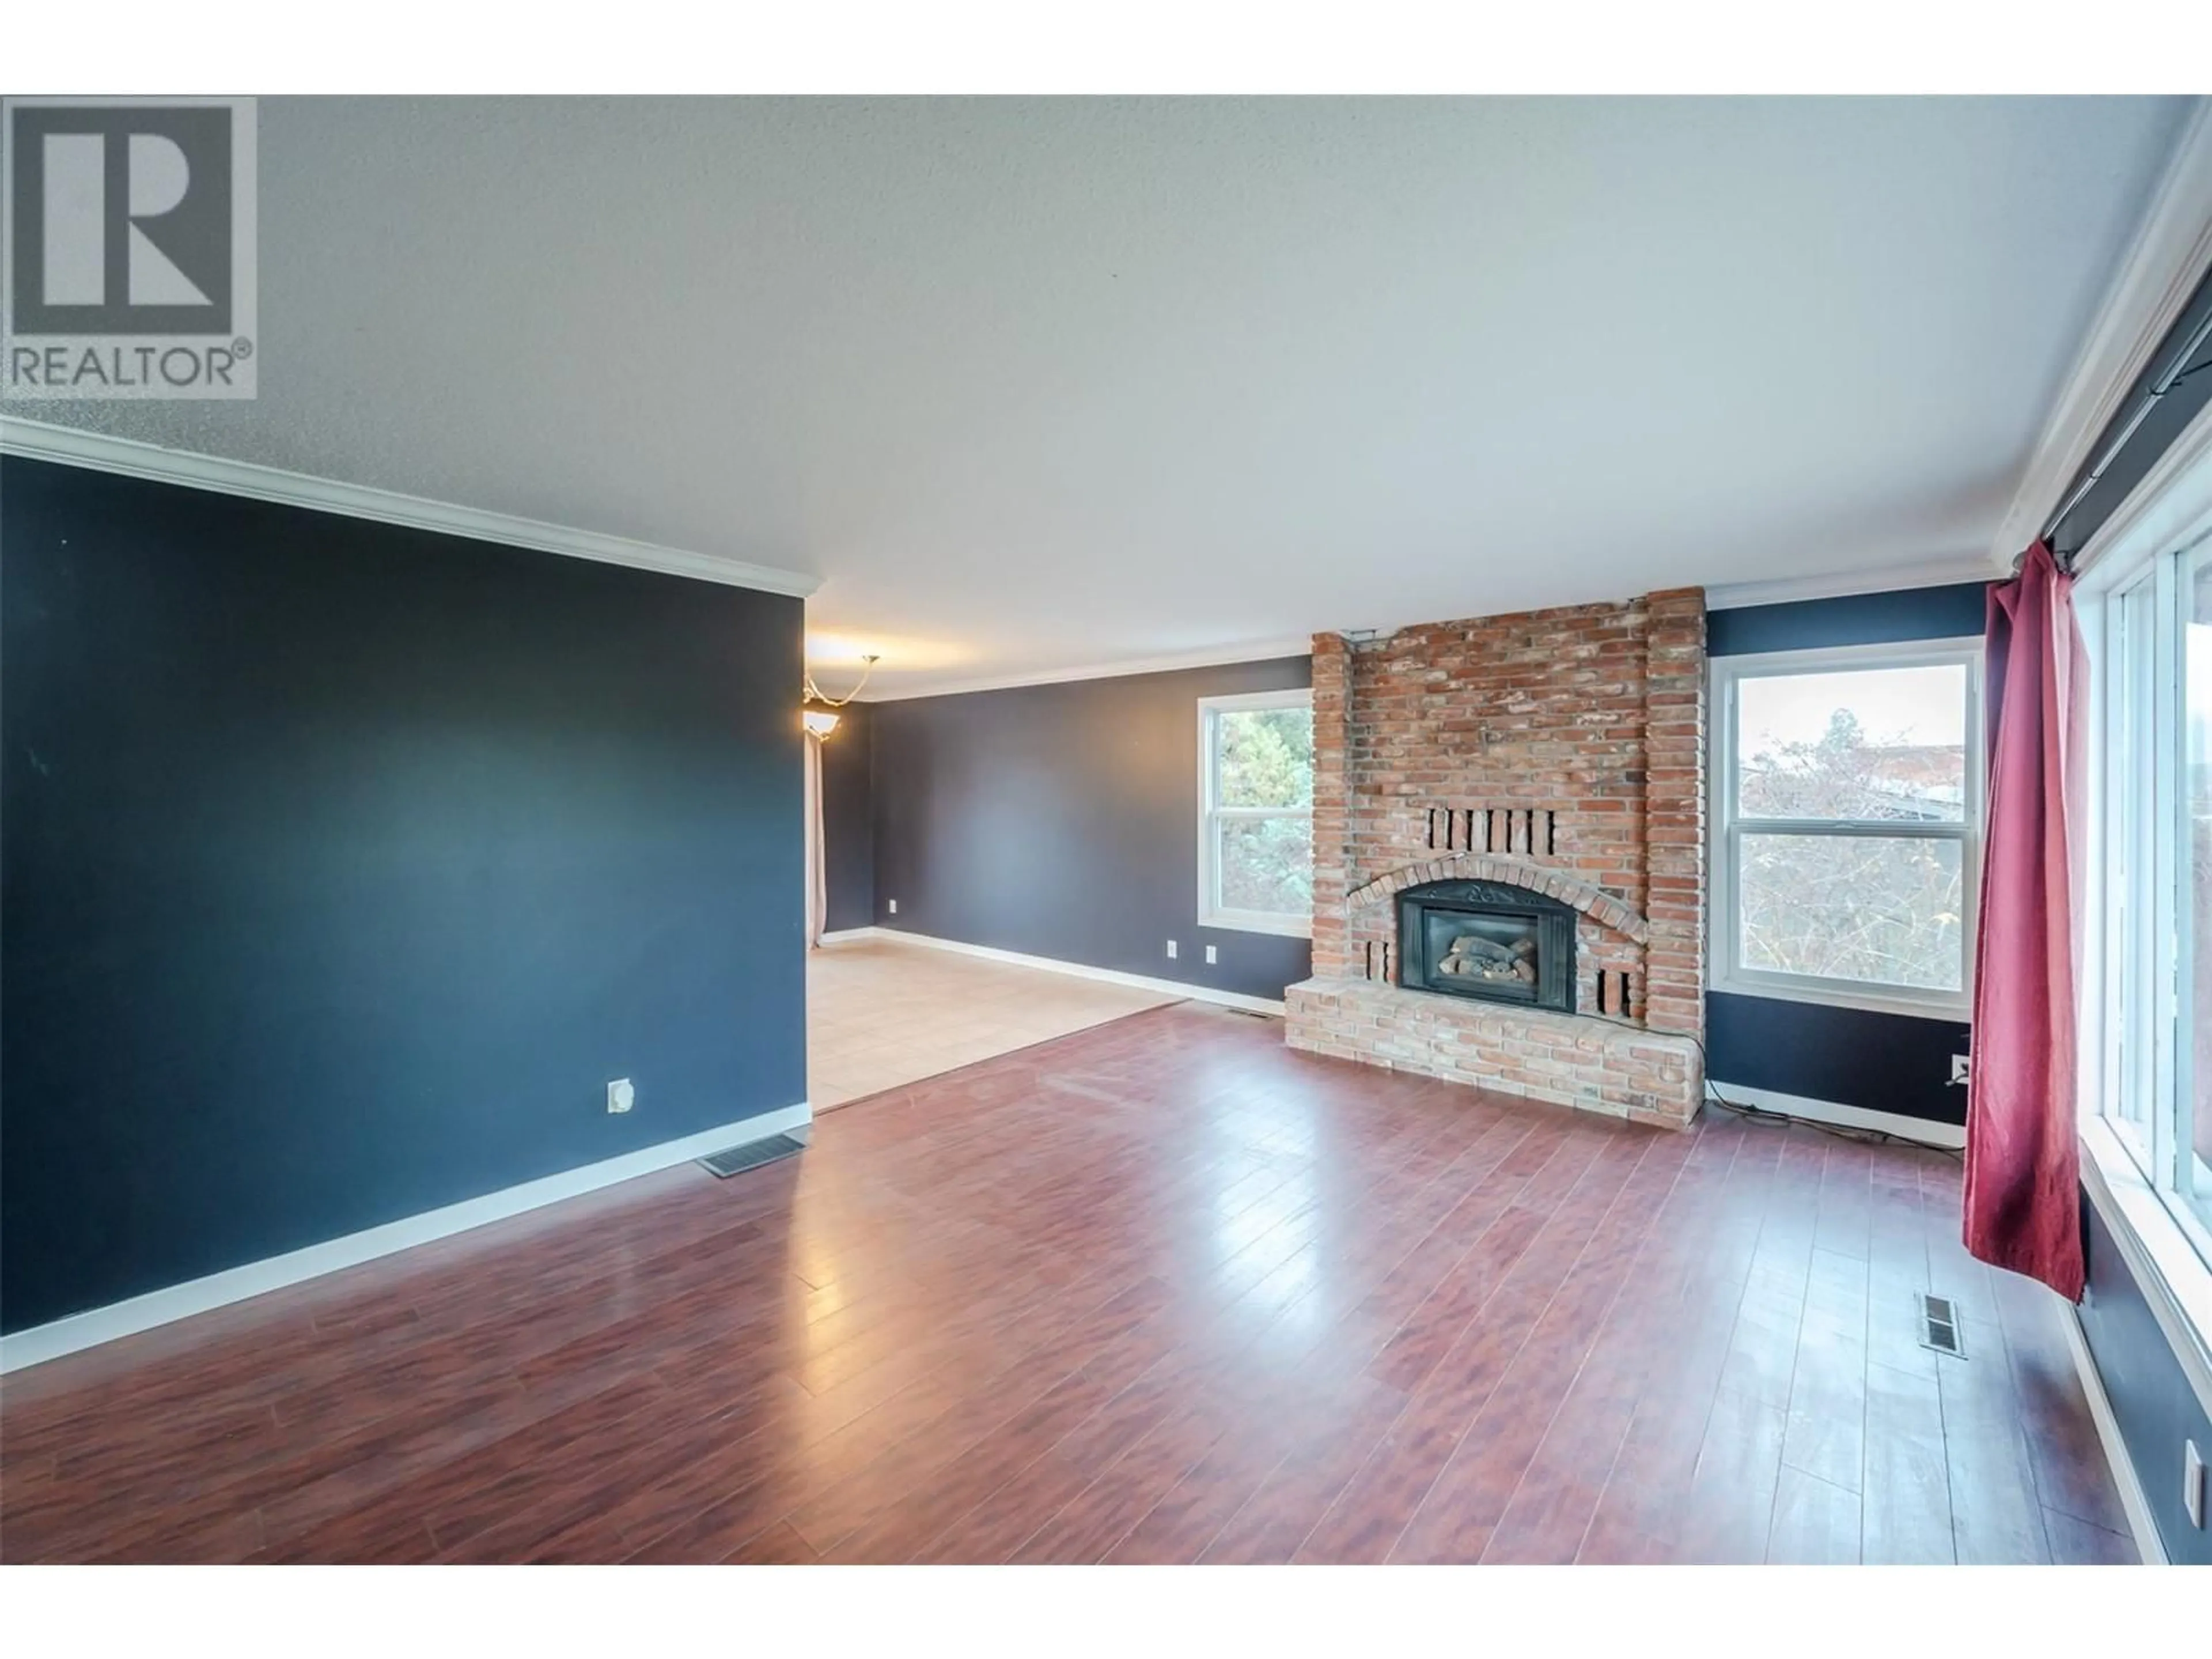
x,y
1557,752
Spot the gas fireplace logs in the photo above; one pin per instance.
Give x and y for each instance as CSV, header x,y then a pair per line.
x,y
1473,957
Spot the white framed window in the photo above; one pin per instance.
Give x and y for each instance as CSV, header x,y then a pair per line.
x,y
1256,812
2147,995
1846,825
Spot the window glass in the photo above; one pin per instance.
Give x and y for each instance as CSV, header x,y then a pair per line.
x,y
1256,848
1869,743
1267,864
2131,860
1846,839
2193,1141
1265,757
1869,908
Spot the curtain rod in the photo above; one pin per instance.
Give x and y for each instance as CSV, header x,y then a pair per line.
x,y
2177,370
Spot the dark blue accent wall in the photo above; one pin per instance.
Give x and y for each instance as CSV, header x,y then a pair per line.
x,y
1879,1062
2157,1410
1958,611
1062,821
345,865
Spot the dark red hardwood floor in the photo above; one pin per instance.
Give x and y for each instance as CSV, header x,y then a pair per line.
x,y
1158,1291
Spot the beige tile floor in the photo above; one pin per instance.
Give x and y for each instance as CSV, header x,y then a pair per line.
x,y
881,1012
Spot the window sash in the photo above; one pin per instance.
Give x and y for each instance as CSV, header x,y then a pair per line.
x,y
2136,1069
1218,820
2149,539
1731,825
1214,818
1872,828
1832,987
2192,1179
2127,681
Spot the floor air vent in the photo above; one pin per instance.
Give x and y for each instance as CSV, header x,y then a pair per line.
x,y
737,1159
1939,1325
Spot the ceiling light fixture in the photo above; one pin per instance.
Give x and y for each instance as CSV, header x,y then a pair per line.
x,y
821,721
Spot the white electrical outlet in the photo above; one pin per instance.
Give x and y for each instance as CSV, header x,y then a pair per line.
x,y
894,906
620,1095
1171,949
1210,955
2192,1483
1958,1063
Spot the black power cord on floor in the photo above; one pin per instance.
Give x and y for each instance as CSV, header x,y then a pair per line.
x,y
1762,1115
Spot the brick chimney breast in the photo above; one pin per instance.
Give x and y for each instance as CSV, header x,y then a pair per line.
x,y
1559,751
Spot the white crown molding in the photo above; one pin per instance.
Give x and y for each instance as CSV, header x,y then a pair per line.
x,y
99,453
1220,657
2170,253
1180,990
77,1332
1788,590
2170,507
1736,596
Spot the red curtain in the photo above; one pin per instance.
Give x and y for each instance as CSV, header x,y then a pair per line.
x,y
2023,1193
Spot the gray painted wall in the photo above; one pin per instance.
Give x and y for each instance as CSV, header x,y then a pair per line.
x,y
1062,821
849,820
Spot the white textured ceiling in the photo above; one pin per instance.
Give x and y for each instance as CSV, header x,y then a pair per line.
x,y
1037,385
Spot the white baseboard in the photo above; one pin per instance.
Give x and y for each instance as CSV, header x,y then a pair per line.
x,y
1173,987
2133,1498
1949,1136
163,1307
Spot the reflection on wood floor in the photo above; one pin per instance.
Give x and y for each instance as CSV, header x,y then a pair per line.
x,y
883,1011
1160,1290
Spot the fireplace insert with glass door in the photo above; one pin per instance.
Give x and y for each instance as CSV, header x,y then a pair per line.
x,y
1488,939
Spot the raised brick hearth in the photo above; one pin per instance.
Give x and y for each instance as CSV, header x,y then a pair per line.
x,y
1560,750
